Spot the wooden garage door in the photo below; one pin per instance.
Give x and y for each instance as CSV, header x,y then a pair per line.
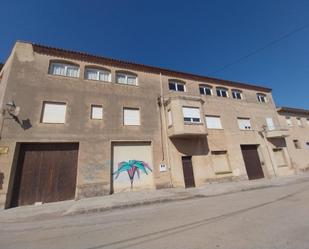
x,y
46,172
252,161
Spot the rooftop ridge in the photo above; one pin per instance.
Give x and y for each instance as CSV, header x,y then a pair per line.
x,y
76,55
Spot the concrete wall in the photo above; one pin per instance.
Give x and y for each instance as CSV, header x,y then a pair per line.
x,y
26,80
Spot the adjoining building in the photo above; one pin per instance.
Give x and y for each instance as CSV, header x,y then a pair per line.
x,y
76,125
297,122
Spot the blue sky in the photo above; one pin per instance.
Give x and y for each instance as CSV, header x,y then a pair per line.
x,y
193,36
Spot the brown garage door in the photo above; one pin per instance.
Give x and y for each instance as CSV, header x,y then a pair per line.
x,y
188,171
252,161
46,172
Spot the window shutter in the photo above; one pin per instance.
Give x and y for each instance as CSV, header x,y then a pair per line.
x,y
270,124
54,113
96,112
244,123
131,116
191,112
213,122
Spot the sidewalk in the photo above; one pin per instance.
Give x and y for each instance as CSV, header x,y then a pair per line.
x,y
131,199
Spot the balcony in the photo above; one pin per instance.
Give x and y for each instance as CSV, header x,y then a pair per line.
x,y
180,127
276,132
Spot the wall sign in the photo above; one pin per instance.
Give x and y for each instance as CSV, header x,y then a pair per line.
x,y
163,167
4,149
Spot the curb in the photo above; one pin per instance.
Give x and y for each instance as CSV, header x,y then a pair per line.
x,y
179,198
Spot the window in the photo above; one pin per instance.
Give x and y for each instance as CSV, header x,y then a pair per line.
x,y
299,123
191,114
97,74
308,121
177,86
127,79
53,112
222,92
296,144
270,124
244,123
131,116
170,118
307,145
205,90
288,120
236,94
64,69
96,112
213,122
261,97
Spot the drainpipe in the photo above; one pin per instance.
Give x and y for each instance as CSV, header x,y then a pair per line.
x,y
163,131
263,132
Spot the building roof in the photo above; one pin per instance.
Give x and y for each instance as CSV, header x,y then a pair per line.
x,y
74,55
293,110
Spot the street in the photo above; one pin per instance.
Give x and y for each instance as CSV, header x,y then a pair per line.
x,y
276,217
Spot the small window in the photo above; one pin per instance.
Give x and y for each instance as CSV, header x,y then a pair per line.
x,y
191,114
170,118
270,124
296,144
244,123
96,112
308,121
205,90
53,113
236,94
126,79
288,120
177,86
299,123
261,97
64,69
97,74
213,122
131,116
222,92
307,145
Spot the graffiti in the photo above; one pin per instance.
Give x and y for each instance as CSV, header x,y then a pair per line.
x,y
132,167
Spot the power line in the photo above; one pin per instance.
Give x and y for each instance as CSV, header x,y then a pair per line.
x,y
271,43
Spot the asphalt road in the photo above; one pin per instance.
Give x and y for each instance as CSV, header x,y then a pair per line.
x,y
276,217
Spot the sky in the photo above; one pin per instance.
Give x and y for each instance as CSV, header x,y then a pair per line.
x,y
198,37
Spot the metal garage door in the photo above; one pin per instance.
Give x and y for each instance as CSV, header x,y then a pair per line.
x,y
132,166
46,172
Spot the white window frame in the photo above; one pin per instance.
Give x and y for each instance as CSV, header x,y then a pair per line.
x,y
192,117
126,76
53,120
242,126
299,122
98,73
66,66
260,97
176,85
204,90
288,120
235,92
130,123
210,124
92,114
222,89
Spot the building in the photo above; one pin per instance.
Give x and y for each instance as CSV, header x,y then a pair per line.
x,y
76,125
297,122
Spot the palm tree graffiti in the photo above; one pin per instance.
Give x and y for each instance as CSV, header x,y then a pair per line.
x,y
132,167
